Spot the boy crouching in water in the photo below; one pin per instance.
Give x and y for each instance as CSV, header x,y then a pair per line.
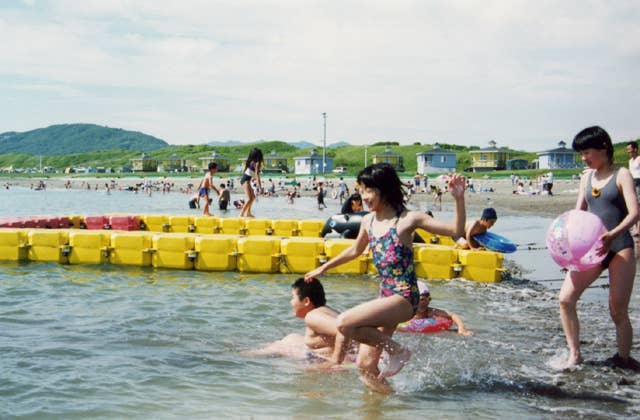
x,y
488,218
308,302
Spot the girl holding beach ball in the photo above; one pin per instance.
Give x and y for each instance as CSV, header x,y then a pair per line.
x,y
608,192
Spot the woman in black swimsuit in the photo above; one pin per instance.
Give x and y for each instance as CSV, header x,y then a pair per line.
x,y
608,192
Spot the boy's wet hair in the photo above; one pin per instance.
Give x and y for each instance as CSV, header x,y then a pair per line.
x,y
384,178
489,214
312,290
593,138
212,166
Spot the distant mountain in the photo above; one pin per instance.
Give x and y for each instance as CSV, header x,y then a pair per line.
x,y
338,144
307,145
303,144
67,139
297,144
226,143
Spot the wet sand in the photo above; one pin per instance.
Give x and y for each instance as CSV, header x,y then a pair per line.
x,y
502,198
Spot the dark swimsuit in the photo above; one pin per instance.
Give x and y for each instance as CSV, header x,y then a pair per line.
x,y
247,176
610,206
394,261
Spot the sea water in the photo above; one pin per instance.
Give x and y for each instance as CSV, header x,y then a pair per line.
x,y
115,341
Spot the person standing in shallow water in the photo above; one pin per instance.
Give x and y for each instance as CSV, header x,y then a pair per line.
x,y
388,231
251,170
634,168
608,192
206,185
320,196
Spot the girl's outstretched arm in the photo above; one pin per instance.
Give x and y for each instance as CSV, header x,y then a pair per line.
x,y
440,227
462,329
457,184
348,254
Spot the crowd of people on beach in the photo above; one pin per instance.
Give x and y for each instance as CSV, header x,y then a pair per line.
x,y
364,333
542,185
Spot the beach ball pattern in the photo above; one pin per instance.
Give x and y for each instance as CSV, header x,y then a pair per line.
x,y
574,238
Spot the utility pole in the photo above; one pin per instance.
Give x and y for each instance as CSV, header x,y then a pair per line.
x,y
365,155
324,144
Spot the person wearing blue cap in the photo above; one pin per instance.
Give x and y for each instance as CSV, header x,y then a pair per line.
x,y
488,218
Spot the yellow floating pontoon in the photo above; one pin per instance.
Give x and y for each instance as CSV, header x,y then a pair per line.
x,y
227,244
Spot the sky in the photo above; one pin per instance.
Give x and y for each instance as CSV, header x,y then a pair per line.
x,y
525,74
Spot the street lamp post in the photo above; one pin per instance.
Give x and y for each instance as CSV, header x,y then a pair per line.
x,y
365,155
324,144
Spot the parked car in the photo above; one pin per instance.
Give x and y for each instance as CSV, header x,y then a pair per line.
x,y
340,170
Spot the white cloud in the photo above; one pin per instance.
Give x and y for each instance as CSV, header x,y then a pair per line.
x,y
459,72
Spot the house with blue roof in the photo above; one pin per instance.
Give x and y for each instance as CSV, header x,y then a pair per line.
x,y
312,164
436,160
559,158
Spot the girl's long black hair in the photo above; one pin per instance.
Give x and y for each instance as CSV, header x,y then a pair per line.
x,y
384,178
255,155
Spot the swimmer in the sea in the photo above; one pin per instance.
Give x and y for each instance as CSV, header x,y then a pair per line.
x,y
308,302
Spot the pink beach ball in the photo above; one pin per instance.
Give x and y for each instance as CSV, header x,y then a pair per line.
x,y
574,238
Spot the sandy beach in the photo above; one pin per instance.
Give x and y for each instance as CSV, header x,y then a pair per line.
x,y
502,197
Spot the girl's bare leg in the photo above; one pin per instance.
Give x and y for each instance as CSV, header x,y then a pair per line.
x,y
361,323
246,208
575,283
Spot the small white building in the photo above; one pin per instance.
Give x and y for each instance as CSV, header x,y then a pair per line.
x,y
312,164
560,157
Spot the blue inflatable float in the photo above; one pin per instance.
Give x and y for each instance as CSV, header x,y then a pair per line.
x,y
495,242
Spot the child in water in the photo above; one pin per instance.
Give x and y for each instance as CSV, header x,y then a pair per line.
x,y
353,204
487,220
308,302
206,185
320,196
224,197
424,311
251,170
388,229
607,191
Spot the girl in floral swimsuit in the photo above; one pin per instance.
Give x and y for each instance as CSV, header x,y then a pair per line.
x,y
394,261
388,230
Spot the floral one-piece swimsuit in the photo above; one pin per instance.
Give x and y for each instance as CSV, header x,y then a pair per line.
x,y
394,261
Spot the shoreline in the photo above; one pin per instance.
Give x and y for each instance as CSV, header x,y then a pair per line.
x,y
502,198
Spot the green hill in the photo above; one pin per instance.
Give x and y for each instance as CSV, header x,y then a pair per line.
x,y
351,157
68,139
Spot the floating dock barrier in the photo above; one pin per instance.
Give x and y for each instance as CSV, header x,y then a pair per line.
x,y
220,244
